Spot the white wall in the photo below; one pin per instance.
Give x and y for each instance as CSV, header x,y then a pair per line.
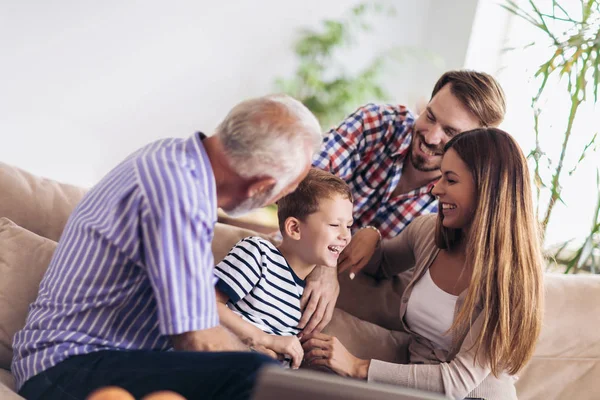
x,y
84,83
494,31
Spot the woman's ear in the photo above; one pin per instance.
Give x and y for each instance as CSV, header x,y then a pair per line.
x,y
291,227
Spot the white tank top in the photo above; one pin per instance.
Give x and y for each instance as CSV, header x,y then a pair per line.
x,y
430,312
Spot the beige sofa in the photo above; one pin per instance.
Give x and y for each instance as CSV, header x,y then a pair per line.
x,y
33,212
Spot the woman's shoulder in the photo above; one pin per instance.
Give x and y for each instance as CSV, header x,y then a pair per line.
x,y
423,226
421,232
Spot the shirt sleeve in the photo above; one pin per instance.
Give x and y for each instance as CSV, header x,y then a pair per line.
x,y
176,238
342,147
240,270
456,379
396,255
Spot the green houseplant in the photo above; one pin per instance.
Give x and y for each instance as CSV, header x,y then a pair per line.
x,y
321,82
573,40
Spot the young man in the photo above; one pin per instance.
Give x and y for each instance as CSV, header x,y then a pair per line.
x,y
391,161
132,276
260,285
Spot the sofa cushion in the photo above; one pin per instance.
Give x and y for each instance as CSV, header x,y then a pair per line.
x,y
366,340
37,204
372,300
566,362
570,325
226,236
559,378
24,257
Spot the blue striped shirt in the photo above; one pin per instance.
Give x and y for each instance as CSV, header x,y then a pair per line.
x,y
134,263
262,287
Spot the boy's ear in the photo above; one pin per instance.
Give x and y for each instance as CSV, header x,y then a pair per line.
x,y
291,227
260,185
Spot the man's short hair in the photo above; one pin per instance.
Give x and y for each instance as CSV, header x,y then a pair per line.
x,y
479,92
304,201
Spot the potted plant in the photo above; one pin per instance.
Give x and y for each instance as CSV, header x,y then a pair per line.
x,y
573,41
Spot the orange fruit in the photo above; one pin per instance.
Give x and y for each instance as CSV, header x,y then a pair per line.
x,y
164,395
110,393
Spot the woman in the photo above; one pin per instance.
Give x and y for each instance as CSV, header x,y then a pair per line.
x,y
474,306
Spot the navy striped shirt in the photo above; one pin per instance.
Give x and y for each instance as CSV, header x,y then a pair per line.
x,y
262,287
134,263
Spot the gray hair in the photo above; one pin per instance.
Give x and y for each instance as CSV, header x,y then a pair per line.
x,y
269,136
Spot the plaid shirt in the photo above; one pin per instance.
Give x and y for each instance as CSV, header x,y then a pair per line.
x,y
368,151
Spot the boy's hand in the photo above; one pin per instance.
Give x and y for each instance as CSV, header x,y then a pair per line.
x,y
287,346
358,252
318,300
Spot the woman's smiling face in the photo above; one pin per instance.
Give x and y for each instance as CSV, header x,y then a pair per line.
x,y
456,192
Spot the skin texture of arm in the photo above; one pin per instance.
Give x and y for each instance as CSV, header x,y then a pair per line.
x,y
271,345
214,339
249,334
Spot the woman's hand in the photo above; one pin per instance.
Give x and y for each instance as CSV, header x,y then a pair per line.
x,y
285,346
359,251
324,350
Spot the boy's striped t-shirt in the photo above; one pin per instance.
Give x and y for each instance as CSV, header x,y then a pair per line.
x,y
261,286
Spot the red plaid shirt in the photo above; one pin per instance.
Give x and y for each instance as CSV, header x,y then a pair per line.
x,y
368,151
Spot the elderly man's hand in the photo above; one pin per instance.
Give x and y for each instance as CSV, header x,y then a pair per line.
x,y
215,339
318,300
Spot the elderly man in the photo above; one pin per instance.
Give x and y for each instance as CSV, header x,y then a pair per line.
x,y
132,276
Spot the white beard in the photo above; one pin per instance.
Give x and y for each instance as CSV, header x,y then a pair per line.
x,y
249,204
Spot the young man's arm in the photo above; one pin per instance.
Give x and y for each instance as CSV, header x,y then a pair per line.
x,y
318,300
254,338
358,138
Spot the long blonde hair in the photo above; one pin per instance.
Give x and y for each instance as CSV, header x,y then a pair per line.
x,y
502,248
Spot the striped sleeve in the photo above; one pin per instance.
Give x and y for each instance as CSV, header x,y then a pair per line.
x,y
177,234
241,269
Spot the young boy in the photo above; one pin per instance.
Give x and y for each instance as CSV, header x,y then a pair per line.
x,y
260,285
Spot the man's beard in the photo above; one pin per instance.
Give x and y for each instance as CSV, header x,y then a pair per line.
x,y
421,165
419,162
257,201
